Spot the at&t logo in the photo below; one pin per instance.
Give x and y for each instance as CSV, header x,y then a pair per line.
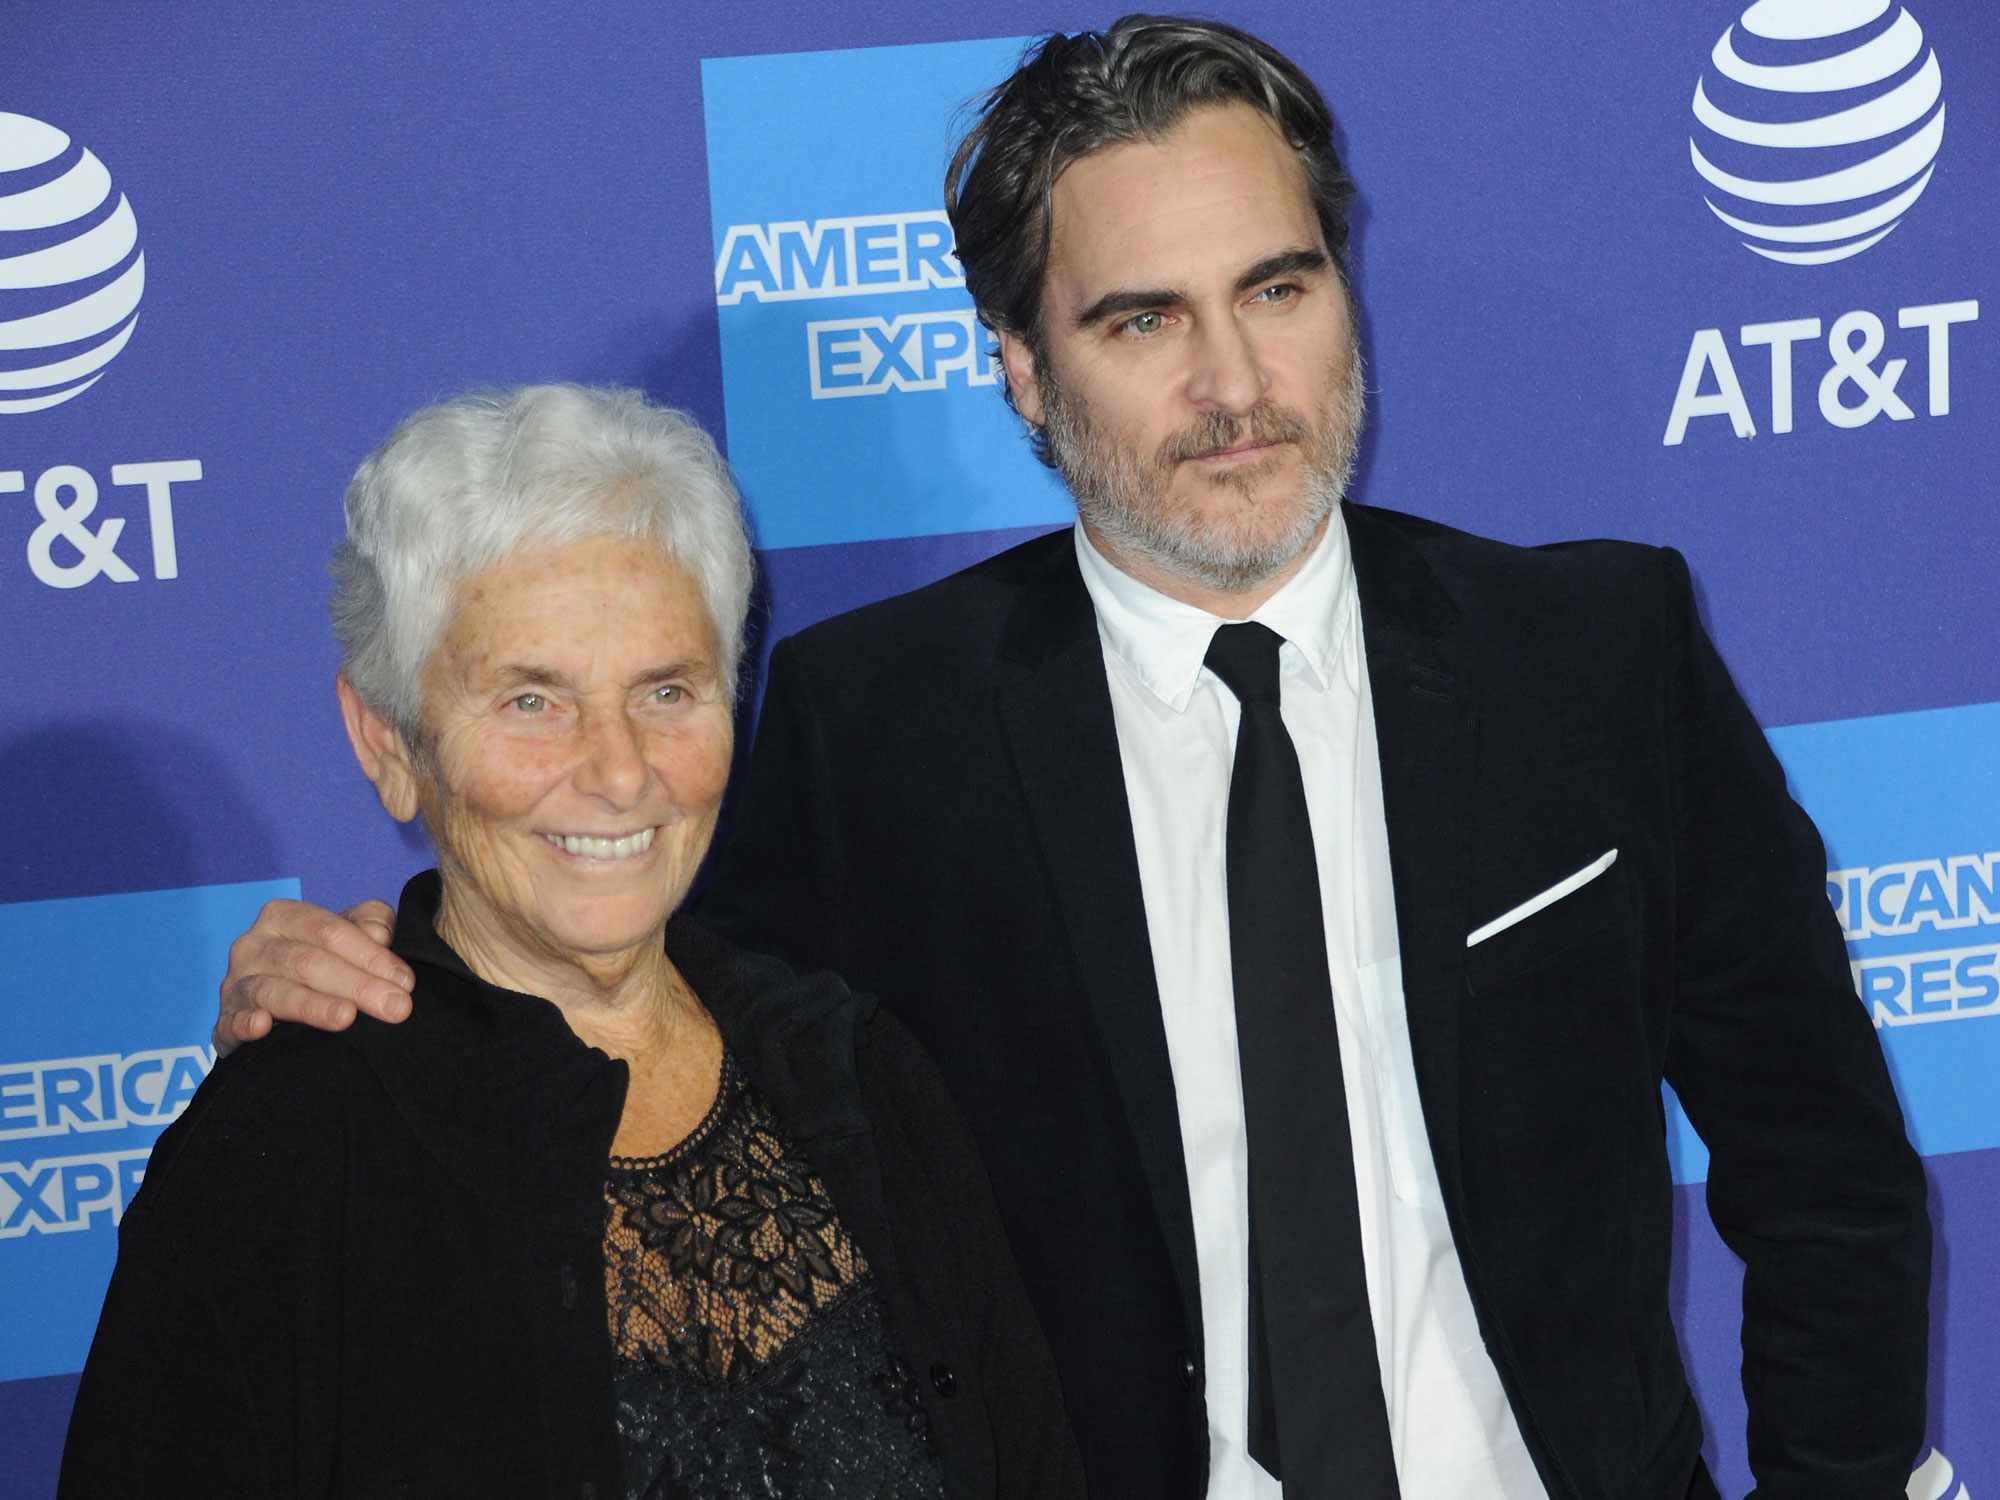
x,y
71,273
71,276
1817,126
1934,1480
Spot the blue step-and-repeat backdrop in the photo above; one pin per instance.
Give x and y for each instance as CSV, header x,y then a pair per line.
x,y
1696,274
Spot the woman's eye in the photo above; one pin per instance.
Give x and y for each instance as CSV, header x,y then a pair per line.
x,y
530,703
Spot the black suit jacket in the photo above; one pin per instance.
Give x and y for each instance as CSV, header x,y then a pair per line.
x,y
937,810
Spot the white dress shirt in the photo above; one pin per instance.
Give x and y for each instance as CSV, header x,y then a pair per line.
x,y
1453,1432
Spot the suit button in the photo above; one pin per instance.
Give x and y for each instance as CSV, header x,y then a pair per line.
x,y
1187,1370
943,1381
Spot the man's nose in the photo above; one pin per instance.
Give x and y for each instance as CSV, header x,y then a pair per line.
x,y
1228,375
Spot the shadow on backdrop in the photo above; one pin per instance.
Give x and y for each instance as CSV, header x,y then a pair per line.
x,y
104,805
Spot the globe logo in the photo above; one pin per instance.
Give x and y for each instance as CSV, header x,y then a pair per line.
x,y
1934,1480
71,273
1817,126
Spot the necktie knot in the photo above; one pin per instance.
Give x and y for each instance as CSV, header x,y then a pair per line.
x,y
1245,657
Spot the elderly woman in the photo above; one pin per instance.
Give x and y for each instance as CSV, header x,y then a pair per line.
x,y
620,1210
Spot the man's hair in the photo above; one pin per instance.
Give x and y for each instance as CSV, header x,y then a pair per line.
x,y
459,486
1074,95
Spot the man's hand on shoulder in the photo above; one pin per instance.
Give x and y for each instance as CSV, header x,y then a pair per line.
x,y
301,962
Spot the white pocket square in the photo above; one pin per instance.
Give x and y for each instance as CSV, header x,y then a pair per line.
x,y
1548,897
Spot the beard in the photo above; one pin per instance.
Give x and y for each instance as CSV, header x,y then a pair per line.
x,y
1127,498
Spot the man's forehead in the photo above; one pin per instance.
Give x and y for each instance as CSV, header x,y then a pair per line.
x,y
1218,192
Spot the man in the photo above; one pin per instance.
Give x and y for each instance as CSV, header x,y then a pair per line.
x,y
1545,856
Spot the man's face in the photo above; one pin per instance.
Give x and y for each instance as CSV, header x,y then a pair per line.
x,y
1199,378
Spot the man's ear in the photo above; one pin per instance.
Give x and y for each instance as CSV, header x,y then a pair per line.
x,y
378,745
1023,384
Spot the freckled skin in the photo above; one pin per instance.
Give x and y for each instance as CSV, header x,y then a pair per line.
x,y
1193,212
577,691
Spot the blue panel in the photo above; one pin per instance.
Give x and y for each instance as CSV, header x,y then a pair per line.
x,y
856,412
111,1000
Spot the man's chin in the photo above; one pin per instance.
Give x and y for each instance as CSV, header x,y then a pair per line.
x,y
1251,513
1240,556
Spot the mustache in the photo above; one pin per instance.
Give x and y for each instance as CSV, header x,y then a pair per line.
x,y
1263,423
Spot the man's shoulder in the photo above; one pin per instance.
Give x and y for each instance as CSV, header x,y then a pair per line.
x,y
955,628
1467,555
1496,583
965,613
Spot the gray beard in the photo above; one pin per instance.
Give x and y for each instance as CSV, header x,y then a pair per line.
x,y
1118,494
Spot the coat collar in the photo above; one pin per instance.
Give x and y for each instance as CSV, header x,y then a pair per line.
x,y
1426,738
494,1083
1164,642
1055,709
516,1104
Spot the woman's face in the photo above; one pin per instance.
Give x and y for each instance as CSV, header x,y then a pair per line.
x,y
580,728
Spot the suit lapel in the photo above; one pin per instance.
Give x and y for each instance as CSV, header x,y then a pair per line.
x,y
1425,735
1055,707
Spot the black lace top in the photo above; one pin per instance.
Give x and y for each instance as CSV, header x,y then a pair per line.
x,y
753,1359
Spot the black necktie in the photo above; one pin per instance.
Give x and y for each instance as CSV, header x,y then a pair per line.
x,y
1316,1405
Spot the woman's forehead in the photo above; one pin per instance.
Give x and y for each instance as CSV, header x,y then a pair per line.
x,y
603,599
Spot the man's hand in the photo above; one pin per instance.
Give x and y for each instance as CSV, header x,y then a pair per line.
x,y
301,962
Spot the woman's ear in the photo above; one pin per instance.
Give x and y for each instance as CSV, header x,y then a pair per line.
x,y
378,745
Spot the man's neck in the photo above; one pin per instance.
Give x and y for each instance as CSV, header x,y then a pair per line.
x,y
1226,604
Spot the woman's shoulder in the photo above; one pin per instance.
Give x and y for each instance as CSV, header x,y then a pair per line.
x,y
762,1004
817,1049
273,1106
774,1015
890,1051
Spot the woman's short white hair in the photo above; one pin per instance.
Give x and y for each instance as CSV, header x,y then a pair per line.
x,y
459,486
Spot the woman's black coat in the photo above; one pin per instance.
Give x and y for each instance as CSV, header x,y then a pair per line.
x,y
371,1262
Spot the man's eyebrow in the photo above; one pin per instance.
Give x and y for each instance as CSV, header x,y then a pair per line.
x,y
1295,262
1128,300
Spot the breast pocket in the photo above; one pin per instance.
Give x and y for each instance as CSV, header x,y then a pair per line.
x,y
1585,907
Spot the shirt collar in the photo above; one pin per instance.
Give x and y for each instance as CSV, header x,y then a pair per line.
x,y
1164,641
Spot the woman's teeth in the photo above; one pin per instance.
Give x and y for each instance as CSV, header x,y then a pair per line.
x,y
596,848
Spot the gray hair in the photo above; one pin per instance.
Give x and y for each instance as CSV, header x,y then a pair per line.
x,y
460,485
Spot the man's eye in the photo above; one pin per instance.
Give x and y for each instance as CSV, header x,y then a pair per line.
x,y
530,703
1144,323
669,692
1284,291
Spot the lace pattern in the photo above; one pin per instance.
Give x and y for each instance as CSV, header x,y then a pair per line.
x,y
753,1357
718,1253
